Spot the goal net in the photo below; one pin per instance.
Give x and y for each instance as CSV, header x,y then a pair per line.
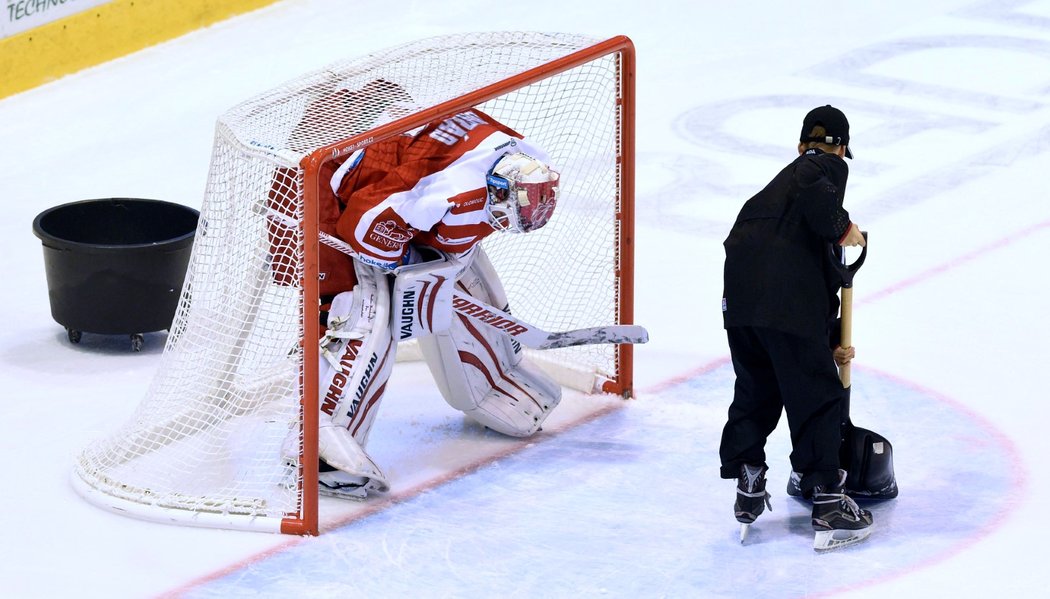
x,y
236,387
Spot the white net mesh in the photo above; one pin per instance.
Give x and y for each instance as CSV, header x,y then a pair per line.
x,y
207,437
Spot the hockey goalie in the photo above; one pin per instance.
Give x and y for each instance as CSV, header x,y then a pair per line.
x,y
412,211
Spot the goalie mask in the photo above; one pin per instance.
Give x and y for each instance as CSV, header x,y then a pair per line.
x,y
522,193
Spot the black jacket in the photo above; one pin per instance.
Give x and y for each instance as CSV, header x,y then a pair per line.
x,y
777,271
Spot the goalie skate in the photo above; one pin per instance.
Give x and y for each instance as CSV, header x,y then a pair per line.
x,y
333,482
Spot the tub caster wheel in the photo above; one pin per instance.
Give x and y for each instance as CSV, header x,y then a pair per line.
x,y
74,335
136,342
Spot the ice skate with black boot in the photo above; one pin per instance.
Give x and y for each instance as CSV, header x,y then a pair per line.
x,y
837,519
751,496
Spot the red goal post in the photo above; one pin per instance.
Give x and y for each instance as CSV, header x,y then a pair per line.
x,y
239,371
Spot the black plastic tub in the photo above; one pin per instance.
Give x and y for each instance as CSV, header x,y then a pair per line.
x,y
115,266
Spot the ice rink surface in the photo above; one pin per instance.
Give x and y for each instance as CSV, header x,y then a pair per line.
x,y
949,103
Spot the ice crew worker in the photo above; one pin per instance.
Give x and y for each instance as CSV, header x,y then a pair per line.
x,y
779,297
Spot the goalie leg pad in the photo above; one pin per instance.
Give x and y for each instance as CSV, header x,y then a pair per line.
x,y
358,355
475,376
482,373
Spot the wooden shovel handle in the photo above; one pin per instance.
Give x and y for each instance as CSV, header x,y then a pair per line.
x,y
846,310
846,336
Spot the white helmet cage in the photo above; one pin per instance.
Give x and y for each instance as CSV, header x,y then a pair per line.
x,y
522,193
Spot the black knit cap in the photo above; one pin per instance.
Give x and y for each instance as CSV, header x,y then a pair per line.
x,y
835,125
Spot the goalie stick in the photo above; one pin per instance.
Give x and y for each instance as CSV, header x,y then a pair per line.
x,y
527,334
536,338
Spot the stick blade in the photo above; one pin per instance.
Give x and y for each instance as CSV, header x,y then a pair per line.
x,y
616,334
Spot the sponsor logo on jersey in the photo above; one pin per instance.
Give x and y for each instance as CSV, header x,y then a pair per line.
x,y
389,231
463,206
384,264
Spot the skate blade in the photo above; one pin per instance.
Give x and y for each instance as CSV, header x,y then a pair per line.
x,y
351,493
827,540
744,528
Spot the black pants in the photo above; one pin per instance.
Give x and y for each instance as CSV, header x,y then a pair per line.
x,y
778,371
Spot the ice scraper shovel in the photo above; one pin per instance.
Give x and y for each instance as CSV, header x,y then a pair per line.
x,y
867,456
846,271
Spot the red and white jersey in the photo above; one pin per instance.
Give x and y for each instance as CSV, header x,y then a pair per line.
x,y
426,186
